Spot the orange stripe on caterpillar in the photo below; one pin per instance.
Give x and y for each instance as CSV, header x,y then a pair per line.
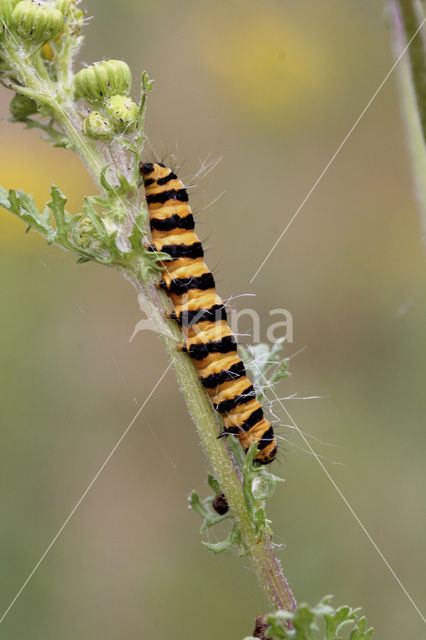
x,y
200,311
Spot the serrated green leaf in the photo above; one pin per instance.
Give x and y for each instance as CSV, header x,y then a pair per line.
x,y
361,632
265,364
123,182
138,231
23,206
281,372
62,218
304,622
197,504
202,508
277,625
146,83
337,620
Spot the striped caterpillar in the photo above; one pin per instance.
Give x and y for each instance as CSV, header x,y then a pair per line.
x,y
201,313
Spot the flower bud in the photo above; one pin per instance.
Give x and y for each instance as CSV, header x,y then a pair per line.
x,y
122,113
101,80
98,127
36,21
83,234
22,106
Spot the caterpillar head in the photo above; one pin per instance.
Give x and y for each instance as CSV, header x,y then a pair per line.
x,y
148,168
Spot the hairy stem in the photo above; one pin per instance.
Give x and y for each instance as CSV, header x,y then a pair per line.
x,y
58,101
260,551
407,16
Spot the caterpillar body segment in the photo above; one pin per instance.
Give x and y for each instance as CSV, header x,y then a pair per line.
x,y
201,313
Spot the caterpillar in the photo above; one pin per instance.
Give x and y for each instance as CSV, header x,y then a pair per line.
x,y
201,312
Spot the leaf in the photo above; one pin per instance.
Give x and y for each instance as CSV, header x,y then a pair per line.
x,y
196,503
202,507
107,238
304,622
219,547
62,218
213,483
23,206
361,632
138,231
104,181
339,619
265,364
55,137
281,372
278,625
146,83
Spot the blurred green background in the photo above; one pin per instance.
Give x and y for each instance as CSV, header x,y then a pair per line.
x,y
272,88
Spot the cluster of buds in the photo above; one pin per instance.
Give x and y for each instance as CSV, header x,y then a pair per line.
x,y
106,86
36,22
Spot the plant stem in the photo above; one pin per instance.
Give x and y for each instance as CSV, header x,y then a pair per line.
x,y
407,16
57,100
412,16
260,551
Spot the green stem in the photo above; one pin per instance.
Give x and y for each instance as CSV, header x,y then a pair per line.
x,y
67,116
57,101
406,18
260,551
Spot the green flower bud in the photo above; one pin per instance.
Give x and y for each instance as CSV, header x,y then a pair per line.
x,y
123,113
22,106
83,234
36,21
6,10
98,127
101,80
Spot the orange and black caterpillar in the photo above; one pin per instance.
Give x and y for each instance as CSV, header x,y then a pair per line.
x,y
201,313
